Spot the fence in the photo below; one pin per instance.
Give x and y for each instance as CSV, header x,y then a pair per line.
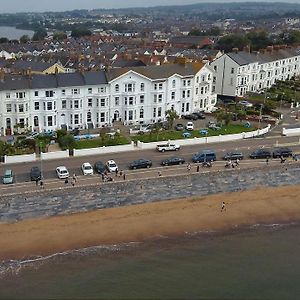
x,y
19,158
54,155
291,131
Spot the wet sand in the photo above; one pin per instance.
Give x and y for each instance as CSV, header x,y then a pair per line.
x,y
40,237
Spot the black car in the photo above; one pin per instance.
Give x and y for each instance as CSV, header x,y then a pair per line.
x,y
199,114
282,152
190,117
140,163
233,156
100,167
35,174
173,161
261,153
179,127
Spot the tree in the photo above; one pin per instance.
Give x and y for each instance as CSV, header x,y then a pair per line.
x,y
258,39
230,41
67,142
79,32
59,36
24,39
3,40
171,116
39,35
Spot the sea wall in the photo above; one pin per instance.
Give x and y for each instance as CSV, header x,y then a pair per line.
x,y
67,200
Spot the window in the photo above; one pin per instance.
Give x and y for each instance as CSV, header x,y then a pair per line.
x,y
49,105
130,115
129,87
214,79
90,102
187,106
142,99
22,122
189,82
89,117
21,108
160,98
26,107
197,79
20,95
102,117
7,95
63,104
76,104
75,91
36,93
232,71
197,91
117,88
184,82
102,89
130,100
173,83
76,119
36,121
173,95
63,92
188,93
155,98
154,112
50,121
49,93
36,105
183,94
141,113
102,102
182,107
97,102
215,68
90,90
159,112
142,87
117,101
160,86
8,107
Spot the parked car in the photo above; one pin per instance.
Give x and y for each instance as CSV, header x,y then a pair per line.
x,y
140,163
245,103
172,161
204,156
190,117
35,173
87,169
62,172
8,177
100,167
167,147
260,153
179,127
189,126
282,152
200,115
111,166
233,156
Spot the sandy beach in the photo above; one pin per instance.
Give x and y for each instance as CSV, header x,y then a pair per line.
x,y
39,237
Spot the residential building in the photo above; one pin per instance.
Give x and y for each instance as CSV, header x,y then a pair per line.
x,y
139,95
239,72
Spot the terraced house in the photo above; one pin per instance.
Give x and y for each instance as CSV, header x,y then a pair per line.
x,y
138,95
239,72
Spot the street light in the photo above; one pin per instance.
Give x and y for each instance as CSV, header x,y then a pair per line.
x,y
41,158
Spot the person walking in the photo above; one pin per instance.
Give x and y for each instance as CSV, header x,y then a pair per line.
x,y
159,173
37,182
124,176
267,161
188,167
74,177
198,169
223,208
117,172
42,184
66,181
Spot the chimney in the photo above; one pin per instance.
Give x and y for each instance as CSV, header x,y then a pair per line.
x,y
235,50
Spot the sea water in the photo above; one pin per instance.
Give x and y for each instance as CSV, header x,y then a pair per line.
x,y
260,262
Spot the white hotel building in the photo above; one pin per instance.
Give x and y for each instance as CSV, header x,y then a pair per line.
x,y
240,72
138,95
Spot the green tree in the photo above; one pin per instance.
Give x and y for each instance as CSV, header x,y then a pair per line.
x,y
171,116
79,32
230,41
39,35
3,40
59,36
258,39
24,39
66,142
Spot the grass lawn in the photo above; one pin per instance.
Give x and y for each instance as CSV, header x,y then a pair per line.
x,y
176,135
94,143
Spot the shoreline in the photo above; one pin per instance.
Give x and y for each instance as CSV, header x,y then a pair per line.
x,y
172,218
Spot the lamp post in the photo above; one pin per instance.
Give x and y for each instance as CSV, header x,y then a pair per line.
x,y
40,144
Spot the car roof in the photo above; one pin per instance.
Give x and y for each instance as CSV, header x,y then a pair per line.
x,y
86,164
8,171
111,161
61,168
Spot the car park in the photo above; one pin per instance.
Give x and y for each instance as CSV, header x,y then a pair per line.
x,y
100,167
112,166
282,152
8,177
261,153
62,172
204,156
233,156
35,173
179,127
87,169
170,161
189,126
167,147
140,163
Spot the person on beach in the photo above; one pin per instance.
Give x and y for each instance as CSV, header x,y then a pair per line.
x,y
198,169
74,177
282,160
37,182
223,206
159,173
267,161
124,176
66,181
117,172
42,184
188,167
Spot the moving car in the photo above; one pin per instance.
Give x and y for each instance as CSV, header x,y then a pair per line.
x,y
233,156
179,127
172,161
204,156
35,173
189,126
140,163
111,166
8,177
62,172
260,153
100,167
167,147
282,152
87,169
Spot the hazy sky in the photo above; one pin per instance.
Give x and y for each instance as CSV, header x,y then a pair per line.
x,y
61,5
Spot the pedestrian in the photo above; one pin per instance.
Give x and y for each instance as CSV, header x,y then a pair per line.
x,y
121,172
267,161
117,171
37,182
237,162
124,176
223,206
66,181
74,177
282,160
159,173
188,167
42,184
198,169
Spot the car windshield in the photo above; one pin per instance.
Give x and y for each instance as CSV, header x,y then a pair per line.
x,y
7,176
112,165
63,171
88,167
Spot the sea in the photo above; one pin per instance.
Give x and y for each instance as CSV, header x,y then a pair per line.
x,y
258,262
13,33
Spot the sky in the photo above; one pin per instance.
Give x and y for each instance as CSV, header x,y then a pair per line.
x,y
12,6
